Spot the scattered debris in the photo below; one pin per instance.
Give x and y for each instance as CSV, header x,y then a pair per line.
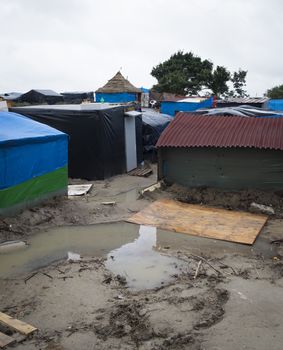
x,y
14,325
277,241
109,203
144,171
31,276
73,257
78,190
10,245
197,270
260,208
152,187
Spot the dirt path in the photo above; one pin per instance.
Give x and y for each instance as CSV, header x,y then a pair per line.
x,y
83,306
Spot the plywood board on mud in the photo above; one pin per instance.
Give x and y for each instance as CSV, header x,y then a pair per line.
x,y
197,220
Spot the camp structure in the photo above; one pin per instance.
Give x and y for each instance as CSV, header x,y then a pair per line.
x,y
36,97
77,97
33,163
258,102
228,152
118,90
173,105
10,97
275,105
105,140
153,124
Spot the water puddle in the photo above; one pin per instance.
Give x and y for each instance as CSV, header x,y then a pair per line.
x,y
53,245
141,265
131,251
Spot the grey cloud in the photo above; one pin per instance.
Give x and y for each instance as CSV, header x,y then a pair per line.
x,y
79,44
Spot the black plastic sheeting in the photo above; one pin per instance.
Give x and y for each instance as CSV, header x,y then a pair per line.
x,y
97,139
153,125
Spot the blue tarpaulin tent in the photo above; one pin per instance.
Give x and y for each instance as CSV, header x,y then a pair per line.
x,y
185,105
275,105
33,162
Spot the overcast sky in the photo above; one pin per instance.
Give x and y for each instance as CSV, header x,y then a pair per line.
x,y
69,45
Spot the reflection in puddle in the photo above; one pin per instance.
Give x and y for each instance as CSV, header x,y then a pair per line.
x,y
53,245
141,265
138,259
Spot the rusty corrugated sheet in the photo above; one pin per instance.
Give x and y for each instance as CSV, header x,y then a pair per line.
x,y
191,130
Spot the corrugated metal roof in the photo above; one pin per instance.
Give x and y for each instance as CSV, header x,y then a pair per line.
x,y
193,99
245,100
168,97
191,130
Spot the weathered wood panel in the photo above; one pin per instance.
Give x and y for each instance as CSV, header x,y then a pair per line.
x,y
234,226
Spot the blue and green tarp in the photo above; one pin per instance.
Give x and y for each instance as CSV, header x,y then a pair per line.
x,y
33,162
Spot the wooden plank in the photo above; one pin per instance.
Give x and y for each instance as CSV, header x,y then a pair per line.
x,y
17,325
144,172
197,220
5,340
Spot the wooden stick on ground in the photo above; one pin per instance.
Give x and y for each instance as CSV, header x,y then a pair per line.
x,y
197,270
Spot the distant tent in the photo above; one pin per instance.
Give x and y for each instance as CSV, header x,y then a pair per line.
x,y
118,90
187,104
77,97
37,96
33,162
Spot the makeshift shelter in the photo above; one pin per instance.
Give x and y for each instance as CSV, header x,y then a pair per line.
x,y
118,90
41,96
229,152
78,97
153,124
275,105
98,137
187,104
33,162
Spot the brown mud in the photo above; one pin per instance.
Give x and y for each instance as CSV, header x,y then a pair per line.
x,y
227,297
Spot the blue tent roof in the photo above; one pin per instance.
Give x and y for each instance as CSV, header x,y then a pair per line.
x,y
28,149
15,129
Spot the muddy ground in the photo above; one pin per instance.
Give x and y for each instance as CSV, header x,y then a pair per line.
x,y
226,299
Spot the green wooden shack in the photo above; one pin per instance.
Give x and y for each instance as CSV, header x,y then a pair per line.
x,y
228,152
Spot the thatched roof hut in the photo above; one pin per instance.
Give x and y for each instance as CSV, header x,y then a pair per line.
x,y
118,84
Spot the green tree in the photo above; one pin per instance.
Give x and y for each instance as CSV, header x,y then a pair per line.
x,y
276,92
239,82
186,73
218,80
182,73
